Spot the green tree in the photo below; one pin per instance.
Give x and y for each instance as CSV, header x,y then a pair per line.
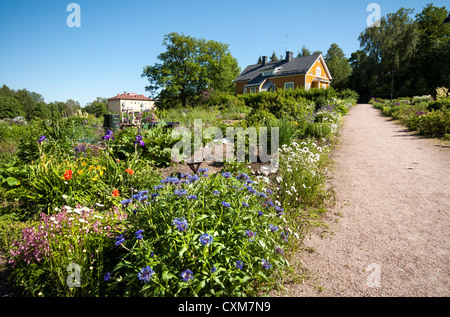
x,y
339,66
98,107
10,107
274,57
189,67
391,46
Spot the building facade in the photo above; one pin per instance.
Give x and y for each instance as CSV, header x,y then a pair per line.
x,y
290,73
130,106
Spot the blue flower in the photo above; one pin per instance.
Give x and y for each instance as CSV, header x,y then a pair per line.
x,y
145,274
126,201
273,227
141,198
119,240
213,269
192,197
206,239
202,170
245,204
260,213
138,234
158,187
225,204
180,192
239,264
169,179
250,234
226,174
187,275
192,179
107,277
216,192
180,223
266,264
143,192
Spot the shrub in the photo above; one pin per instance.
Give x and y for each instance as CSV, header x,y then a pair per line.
x,y
202,236
318,130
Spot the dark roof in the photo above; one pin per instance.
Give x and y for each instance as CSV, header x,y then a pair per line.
x,y
299,65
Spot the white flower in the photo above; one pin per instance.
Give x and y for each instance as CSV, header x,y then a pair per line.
x,y
81,220
98,216
64,196
100,205
52,218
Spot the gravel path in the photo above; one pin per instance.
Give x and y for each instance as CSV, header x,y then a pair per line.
x,y
389,233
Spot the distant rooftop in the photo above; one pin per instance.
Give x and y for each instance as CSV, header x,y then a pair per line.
x,y
129,96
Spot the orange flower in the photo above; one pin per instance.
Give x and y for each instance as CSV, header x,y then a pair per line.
x,y
68,175
115,192
129,171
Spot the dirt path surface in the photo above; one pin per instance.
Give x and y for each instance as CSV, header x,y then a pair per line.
x,y
389,233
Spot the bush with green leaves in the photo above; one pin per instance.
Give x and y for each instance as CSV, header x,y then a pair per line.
x,y
202,235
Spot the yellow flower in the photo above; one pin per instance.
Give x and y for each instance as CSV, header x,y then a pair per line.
x,y
80,172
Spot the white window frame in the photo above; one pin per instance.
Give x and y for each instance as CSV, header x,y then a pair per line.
x,y
308,86
245,90
288,85
318,71
268,73
252,90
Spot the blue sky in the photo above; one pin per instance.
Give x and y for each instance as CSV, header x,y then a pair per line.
x,y
116,39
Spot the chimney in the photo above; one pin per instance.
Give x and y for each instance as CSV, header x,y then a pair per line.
x,y
264,60
289,56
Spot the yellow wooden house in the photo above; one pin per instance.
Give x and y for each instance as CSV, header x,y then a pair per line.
x,y
289,73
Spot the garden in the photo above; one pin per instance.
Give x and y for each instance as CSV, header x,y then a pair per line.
x,y
428,115
97,212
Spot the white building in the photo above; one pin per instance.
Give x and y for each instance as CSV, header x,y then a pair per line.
x,y
130,106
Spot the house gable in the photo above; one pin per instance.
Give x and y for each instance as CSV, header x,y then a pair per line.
x,y
290,70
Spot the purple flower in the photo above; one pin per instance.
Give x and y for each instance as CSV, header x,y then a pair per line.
x,y
206,239
225,204
42,139
273,227
126,201
187,275
266,264
239,264
180,223
180,192
192,197
138,234
139,140
202,170
145,274
216,192
250,234
108,135
119,240
226,174
107,277
245,204
213,269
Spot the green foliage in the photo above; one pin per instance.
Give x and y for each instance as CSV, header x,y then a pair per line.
x,y
338,66
169,250
10,107
188,67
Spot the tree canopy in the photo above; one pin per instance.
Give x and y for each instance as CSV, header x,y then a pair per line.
x,y
188,68
338,65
